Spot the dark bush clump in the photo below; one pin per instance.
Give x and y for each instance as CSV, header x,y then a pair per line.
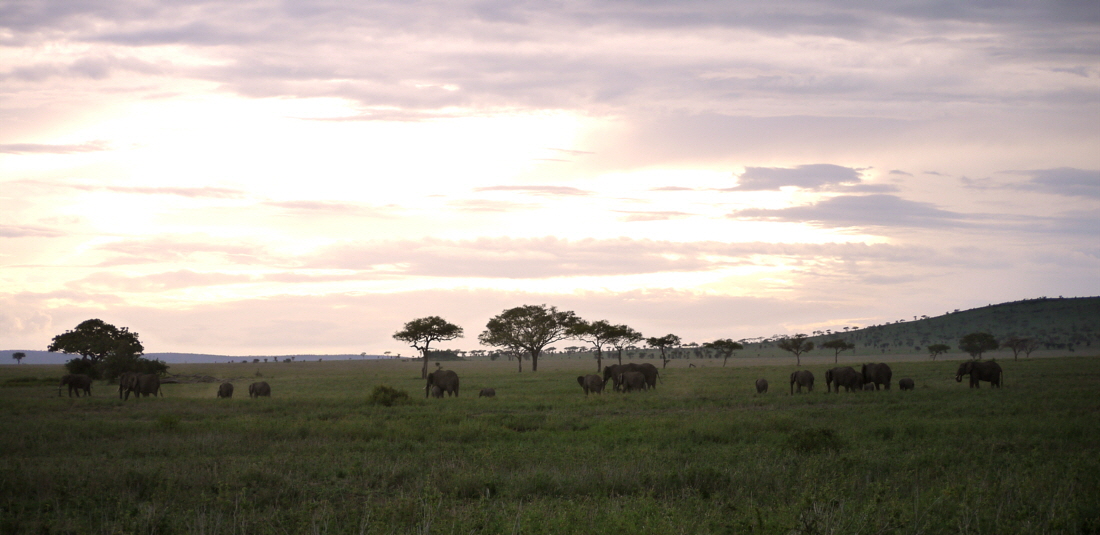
x,y
387,396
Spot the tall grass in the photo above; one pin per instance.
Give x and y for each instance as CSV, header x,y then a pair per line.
x,y
700,454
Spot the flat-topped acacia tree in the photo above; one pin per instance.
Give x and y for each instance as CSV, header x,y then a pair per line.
x,y
838,345
529,328
421,332
796,345
664,343
724,347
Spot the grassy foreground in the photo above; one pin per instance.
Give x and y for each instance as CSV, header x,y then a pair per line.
x,y
701,454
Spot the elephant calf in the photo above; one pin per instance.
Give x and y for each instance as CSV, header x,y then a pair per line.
x,y
437,391
761,386
591,383
487,393
261,388
225,390
802,378
631,381
906,384
76,383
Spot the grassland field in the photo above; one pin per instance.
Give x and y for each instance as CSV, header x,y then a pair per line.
x,y
703,453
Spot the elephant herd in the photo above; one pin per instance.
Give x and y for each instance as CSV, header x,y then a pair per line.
x,y
255,390
872,376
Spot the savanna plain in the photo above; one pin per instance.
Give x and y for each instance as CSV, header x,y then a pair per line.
x,y
702,453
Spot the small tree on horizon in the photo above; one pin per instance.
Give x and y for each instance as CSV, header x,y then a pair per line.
x,y
598,333
421,332
1020,345
664,343
977,343
622,337
724,347
838,346
796,345
19,356
935,350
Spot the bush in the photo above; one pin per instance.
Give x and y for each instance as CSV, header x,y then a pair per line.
x,y
387,396
83,366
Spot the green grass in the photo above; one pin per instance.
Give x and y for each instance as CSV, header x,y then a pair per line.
x,y
701,454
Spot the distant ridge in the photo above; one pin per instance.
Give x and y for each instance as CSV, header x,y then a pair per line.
x,y
45,357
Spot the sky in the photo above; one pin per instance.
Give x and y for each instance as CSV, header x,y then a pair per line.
x,y
264,177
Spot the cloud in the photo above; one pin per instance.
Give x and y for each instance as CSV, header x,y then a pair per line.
x,y
804,176
1064,181
28,231
109,281
37,148
486,205
180,249
550,191
331,207
863,211
631,216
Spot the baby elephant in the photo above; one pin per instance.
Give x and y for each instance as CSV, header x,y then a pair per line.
x,y
906,384
591,383
225,390
437,391
261,388
761,386
487,393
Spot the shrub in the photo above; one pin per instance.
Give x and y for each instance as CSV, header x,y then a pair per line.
x,y
387,396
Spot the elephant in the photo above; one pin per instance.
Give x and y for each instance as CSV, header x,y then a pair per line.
x,y
140,384
845,376
447,380
225,390
76,382
631,381
878,373
591,383
437,391
870,387
487,393
804,378
761,386
987,370
905,384
255,390
614,371
124,381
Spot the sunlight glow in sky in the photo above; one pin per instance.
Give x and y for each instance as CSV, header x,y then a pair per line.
x,y
305,177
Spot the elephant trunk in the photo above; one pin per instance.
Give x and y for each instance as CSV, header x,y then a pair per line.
x,y
959,378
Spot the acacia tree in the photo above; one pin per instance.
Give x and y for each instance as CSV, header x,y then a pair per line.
x,y
796,345
97,341
838,346
622,337
978,343
529,328
597,333
664,343
421,332
935,350
19,356
724,347
1018,345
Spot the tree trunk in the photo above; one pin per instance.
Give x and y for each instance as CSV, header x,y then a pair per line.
x,y
599,360
535,361
424,372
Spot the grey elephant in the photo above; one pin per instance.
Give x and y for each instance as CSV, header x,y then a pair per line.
x,y
76,383
140,384
761,386
631,381
261,388
906,384
803,378
487,393
877,373
845,376
614,372
225,390
437,391
987,370
869,387
124,381
447,380
591,383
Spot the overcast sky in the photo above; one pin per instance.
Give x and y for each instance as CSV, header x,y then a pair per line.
x,y
305,176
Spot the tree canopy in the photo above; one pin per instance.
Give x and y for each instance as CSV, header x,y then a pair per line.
x,y
663,343
623,336
598,333
724,347
19,356
529,328
977,343
421,332
1018,345
838,345
95,340
936,350
797,345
